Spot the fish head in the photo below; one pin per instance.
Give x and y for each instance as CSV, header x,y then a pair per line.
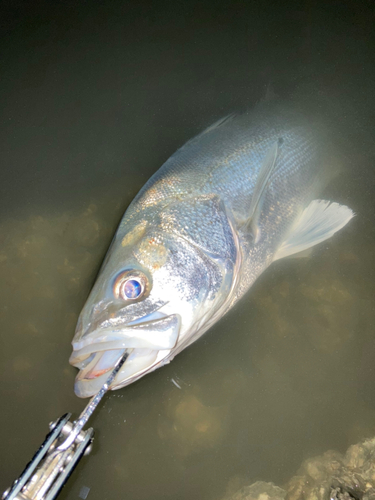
x,y
151,296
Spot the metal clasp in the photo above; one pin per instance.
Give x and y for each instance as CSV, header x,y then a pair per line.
x,y
50,467
61,451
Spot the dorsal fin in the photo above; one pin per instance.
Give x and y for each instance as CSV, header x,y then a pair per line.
x,y
218,123
212,127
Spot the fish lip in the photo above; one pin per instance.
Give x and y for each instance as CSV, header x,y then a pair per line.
x,y
125,316
85,388
167,329
135,335
78,356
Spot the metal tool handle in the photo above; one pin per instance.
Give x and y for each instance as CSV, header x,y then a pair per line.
x,y
50,468
60,452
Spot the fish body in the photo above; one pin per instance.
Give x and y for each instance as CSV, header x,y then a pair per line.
x,y
219,211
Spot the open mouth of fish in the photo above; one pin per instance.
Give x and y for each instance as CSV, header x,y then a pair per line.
x,y
148,341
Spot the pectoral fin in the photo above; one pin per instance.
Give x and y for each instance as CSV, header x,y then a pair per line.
x,y
318,222
265,172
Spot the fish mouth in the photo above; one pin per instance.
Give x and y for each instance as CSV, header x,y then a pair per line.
x,y
148,342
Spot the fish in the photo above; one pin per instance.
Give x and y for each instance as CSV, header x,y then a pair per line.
x,y
239,196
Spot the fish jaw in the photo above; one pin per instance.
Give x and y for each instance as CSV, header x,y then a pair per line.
x,y
148,343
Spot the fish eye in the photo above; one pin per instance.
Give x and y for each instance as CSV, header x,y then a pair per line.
x,y
130,285
132,289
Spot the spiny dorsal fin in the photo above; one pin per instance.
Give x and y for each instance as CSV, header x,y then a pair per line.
x,y
218,123
318,222
212,127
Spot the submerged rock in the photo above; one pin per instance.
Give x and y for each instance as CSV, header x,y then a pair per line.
x,y
260,491
331,476
192,426
335,476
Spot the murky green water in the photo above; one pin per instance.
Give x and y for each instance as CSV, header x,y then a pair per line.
x,y
95,98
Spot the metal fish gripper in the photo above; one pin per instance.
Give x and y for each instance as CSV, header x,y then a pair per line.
x,y
62,449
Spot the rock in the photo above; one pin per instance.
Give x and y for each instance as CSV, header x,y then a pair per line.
x,y
330,476
260,491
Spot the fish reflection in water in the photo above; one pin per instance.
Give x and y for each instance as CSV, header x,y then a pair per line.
x,y
231,201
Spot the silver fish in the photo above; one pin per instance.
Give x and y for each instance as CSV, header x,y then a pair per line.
x,y
219,211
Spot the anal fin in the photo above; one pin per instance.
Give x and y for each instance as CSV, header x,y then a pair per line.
x,y
305,254
318,222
